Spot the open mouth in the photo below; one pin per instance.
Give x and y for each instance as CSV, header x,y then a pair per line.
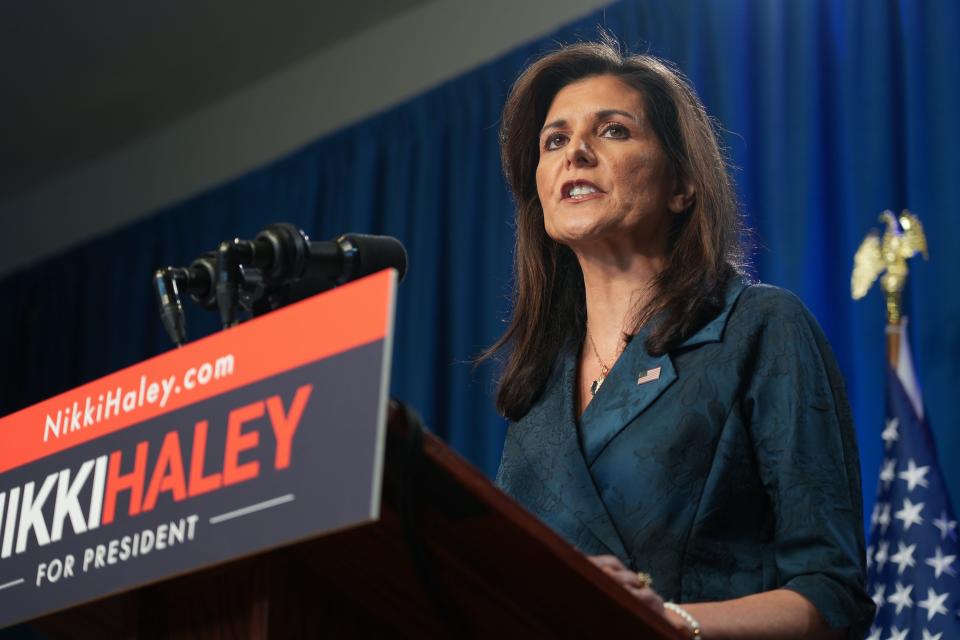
x,y
579,190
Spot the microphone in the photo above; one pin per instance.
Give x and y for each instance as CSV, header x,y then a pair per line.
x,y
171,311
354,255
200,278
292,267
346,258
197,280
284,253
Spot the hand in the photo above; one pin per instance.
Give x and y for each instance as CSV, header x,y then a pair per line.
x,y
612,566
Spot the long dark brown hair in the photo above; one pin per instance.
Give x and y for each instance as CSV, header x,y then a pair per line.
x,y
549,307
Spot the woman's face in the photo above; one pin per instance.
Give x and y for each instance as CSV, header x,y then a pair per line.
x,y
602,176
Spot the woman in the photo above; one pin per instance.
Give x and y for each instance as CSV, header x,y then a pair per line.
x,y
667,417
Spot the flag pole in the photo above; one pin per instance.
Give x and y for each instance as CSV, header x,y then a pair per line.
x,y
893,345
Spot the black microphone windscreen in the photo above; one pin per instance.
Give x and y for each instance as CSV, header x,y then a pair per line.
x,y
374,253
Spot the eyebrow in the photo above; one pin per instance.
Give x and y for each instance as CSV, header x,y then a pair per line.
x,y
599,115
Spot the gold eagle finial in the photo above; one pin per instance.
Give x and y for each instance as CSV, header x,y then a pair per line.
x,y
887,257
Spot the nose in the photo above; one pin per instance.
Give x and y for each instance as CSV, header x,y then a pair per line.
x,y
579,153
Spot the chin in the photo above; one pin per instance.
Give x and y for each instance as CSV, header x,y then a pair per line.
x,y
573,232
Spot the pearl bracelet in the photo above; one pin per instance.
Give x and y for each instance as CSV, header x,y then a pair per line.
x,y
685,615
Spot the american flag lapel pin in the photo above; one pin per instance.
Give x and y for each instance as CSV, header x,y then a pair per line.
x,y
649,375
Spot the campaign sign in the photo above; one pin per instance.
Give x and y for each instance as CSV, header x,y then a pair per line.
x,y
255,437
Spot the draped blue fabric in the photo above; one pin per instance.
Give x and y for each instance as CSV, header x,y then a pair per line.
x,y
832,111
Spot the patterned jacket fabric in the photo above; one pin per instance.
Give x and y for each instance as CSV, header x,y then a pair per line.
x,y
734,471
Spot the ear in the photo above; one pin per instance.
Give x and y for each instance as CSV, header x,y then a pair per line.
x,y
682,198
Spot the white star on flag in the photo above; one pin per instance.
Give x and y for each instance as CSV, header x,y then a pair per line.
x,y
901,598
890,434
914,475
874,633
896,634
934,603
888,472
881,556
884,519
878,595
941,563
910,514
946,526
928,636
903,558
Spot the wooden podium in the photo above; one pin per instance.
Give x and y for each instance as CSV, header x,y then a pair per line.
x,y
451,556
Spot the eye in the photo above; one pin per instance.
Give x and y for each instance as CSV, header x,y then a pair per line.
x,y
614,130
554,141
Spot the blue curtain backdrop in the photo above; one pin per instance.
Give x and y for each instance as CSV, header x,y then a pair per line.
x,y
832,111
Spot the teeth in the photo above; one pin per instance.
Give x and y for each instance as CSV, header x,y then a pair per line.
x,y
580,190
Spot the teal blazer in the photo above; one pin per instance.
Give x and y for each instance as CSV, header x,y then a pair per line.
x,y
735,471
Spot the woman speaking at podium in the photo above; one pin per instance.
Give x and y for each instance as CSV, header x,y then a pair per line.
x,y
668,417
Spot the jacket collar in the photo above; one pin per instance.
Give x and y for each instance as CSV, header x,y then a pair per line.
x,y
713,330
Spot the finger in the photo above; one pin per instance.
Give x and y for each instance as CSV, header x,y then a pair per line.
x,y
606,561
649,597
652,597
608,564
644,594
627,577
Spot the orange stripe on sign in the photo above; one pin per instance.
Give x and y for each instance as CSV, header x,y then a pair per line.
x,y
313,329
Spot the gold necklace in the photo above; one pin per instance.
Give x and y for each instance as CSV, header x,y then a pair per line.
x,y
604,369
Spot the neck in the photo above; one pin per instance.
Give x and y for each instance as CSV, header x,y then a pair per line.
x,y
615,290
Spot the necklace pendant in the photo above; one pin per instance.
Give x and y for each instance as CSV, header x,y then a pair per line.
x,y
595,386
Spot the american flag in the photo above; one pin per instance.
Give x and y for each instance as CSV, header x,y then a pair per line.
x,y
649,376
912,567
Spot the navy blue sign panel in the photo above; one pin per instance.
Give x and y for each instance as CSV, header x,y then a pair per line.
x,y
290,456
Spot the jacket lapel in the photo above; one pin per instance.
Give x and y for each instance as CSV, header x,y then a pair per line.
x,y
638,379
550,444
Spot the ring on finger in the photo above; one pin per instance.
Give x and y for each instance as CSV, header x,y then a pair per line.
x,y
644,578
